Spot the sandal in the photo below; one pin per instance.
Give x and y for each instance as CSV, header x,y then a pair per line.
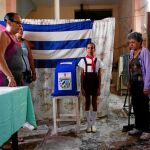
x,y
145,136
20,139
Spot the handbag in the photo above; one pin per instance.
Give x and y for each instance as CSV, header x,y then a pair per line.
x,y
27,75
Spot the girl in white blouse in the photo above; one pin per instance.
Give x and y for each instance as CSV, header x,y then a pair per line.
x,y
90,84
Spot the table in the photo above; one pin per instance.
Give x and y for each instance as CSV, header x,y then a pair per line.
x,y
16,108
57,116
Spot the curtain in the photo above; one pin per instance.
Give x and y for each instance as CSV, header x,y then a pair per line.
x,y
103,36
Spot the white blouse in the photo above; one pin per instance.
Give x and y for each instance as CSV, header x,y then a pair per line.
x,y
99,64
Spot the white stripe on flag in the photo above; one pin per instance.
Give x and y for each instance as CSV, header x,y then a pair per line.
x,y
57,36
58,54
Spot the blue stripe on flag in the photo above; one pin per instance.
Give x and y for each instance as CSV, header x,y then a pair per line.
x,y
53,62
54,45
59,27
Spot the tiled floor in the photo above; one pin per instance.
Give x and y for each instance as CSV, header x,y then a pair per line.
x,y
109,135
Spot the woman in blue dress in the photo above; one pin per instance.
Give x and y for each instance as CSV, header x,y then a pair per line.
x,y
27,59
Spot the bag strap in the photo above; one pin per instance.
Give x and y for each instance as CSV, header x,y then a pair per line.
x,y
25,63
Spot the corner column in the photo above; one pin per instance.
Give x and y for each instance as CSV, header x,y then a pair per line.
x,y
56,9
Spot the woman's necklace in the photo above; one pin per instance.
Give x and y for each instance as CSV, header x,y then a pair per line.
x,y
136,53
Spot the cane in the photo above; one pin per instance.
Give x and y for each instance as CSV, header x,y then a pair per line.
x,y
128,96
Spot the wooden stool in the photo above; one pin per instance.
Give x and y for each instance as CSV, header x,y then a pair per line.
x,y
57,116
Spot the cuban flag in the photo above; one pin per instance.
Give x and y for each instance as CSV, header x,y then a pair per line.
x,y
55,43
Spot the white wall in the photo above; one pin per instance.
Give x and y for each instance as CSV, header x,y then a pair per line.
x,y
66,12
24,7
125,24
141,8
2,8
7,6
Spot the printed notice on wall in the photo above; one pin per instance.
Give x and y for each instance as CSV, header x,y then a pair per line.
x,y
64,81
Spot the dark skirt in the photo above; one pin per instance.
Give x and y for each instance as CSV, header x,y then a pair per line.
x,y
90,83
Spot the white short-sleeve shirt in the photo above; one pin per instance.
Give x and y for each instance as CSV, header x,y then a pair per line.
x,y
99,64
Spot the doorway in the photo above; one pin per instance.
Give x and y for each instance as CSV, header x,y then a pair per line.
x,y
93,14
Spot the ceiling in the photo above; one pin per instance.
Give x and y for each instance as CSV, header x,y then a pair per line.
x,y
74,2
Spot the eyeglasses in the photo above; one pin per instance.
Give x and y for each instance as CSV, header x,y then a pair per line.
x,y
17,22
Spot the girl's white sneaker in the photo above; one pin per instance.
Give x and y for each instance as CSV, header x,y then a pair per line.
x,y
93,129
88,130
135,132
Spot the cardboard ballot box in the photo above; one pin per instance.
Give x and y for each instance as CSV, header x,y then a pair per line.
x,y
65,82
